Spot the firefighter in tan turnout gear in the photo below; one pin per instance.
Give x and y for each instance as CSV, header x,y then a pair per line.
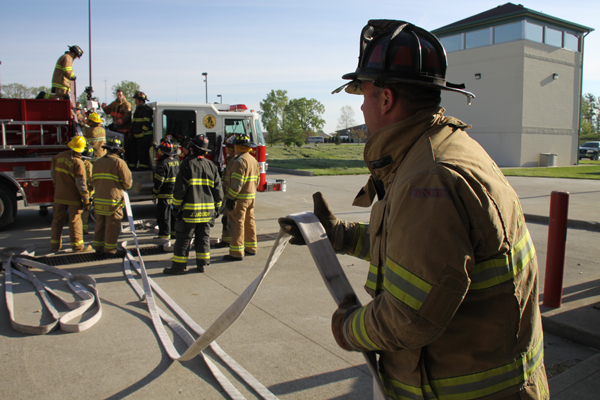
x,y
453,274
96,135
229,154
239,201
111,177
87,155
70,195
63,75
197,199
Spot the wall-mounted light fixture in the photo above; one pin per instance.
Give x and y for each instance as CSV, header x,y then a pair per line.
x,y
478,76
555,76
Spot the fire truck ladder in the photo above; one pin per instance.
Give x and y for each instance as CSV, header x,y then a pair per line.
x,y
23,132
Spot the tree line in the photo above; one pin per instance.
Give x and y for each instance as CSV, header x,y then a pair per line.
x,y
590,117
290,121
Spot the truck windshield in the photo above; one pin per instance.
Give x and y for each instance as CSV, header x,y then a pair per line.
x,y
260,139
235,126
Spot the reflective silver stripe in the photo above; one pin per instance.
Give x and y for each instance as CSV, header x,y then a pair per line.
x,y
496,271
405,285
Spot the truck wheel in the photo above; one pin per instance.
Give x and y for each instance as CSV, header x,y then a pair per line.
x,y
8,206
596,157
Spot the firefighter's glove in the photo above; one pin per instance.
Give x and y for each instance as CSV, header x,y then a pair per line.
x,y
326,217
229,204
217,212
334,227
347,306
85,201
73,78
289,225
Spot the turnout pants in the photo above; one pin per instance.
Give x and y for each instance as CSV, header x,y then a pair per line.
x,y
184,232
142,146
164,219
85,217
106,234
75,227
131,155
242,228
225,235
57,93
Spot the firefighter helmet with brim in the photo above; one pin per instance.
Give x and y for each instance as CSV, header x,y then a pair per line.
x,y
243,140
95,117
199,142
399,52
167,147
88,152
113,143
229,142
77,144
76,50
140,96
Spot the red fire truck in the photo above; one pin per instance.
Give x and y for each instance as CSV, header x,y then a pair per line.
x,y
33,131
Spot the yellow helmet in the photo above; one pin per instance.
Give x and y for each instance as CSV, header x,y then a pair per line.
x,y
77,144
94,117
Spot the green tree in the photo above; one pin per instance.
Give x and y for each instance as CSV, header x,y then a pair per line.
x,y
19,91
359,135
305,114
129,88
273,113
590,117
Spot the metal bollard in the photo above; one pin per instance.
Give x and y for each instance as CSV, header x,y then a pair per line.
x,y
555,255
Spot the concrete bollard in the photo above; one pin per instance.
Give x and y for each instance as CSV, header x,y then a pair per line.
x,y
557,244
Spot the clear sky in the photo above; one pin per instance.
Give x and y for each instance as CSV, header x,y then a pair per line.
x,y
247,48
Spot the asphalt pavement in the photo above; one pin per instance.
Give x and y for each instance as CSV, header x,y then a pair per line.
x,y
283,338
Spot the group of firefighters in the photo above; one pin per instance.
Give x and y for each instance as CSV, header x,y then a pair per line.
x,y
189,195
453,272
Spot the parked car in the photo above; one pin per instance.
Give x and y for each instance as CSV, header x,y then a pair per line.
x,y
590,150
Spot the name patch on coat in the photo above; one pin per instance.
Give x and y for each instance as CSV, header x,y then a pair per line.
x,y
433,193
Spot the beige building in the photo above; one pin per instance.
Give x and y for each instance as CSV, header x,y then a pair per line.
x,y
525,68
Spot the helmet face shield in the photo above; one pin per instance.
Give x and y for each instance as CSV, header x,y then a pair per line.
x,y
399,52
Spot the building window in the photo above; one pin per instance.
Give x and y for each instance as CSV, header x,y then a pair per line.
x,y
482,37
508,33
534,32
553,37
571,42
453,43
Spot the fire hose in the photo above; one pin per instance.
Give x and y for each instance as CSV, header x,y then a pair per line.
x,y
77,308
324,256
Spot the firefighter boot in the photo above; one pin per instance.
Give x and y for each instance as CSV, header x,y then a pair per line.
x,y
174,270
201,265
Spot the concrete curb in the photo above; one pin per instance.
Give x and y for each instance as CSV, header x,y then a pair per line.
x,y
572,223
565,384
291,171
569,331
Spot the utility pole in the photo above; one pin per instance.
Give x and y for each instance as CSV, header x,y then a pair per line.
x,y
0,83
205,75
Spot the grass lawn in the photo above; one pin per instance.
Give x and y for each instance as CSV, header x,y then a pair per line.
x,y
322,159
347,159
586,170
